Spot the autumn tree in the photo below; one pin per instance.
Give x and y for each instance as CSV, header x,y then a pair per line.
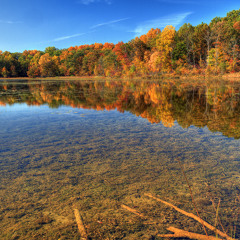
x,y
186,36
48,67
5,72
165,47
150,38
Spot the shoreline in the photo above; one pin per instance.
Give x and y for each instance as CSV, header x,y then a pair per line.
x,y
229,76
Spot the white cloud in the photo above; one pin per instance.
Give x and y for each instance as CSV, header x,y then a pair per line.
x,y
108,23
9,22
67,37
87,2
64,38
161,22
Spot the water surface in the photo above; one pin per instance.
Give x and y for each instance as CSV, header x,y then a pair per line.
x,y
95,145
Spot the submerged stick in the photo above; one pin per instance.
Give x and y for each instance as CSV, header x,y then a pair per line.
x,y
213,204
191,215
179,233
133,211
81,227
150,220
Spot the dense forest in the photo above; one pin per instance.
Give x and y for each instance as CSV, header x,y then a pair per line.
x,y
203,49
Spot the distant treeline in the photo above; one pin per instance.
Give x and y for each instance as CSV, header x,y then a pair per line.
x,y
201,49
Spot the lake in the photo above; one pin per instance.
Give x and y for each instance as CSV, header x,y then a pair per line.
x,y
119,152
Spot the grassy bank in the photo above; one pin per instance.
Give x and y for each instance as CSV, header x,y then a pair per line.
x,y
228,76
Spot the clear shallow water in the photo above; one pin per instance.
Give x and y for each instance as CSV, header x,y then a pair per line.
x,y
96,145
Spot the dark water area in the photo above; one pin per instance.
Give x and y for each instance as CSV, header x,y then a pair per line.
x,y
96,145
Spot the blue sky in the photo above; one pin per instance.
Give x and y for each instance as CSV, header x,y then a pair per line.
x,y
37,24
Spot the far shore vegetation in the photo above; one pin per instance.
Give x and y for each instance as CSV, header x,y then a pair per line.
x,y
197,51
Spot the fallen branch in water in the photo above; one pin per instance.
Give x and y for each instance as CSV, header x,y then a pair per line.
x,y
81,227
133,211
191,215
179,233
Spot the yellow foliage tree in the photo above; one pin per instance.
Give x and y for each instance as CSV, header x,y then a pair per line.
x,y
165,47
